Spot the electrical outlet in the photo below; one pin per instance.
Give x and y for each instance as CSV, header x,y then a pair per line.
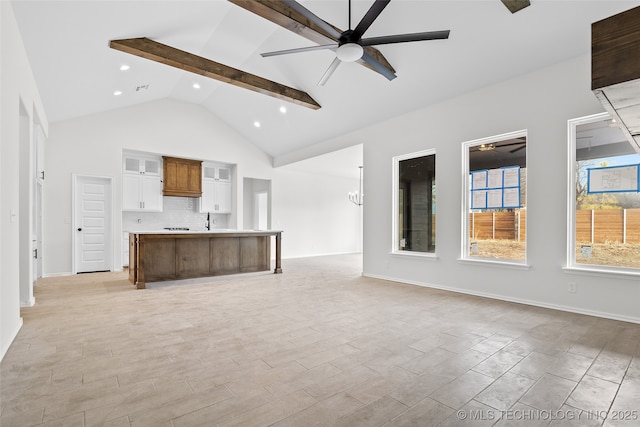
x,y
571,287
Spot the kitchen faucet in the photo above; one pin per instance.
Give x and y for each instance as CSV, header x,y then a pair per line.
x,y
208,224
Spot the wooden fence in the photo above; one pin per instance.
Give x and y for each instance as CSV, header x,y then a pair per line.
x,y
592,226
498,225
608,225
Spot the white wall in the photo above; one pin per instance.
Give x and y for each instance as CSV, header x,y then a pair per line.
x,y
93,145
541,102
315,213
17,86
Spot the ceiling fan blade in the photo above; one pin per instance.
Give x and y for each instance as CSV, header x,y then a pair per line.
x,y
516,5
403,38
377,66
511,144
299,50
287,14
514,141
329,71
378,56
376,8
158,52
517,149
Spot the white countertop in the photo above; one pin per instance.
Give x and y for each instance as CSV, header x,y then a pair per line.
x,y
214,231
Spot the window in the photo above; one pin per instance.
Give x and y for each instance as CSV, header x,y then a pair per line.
x,y
604,197
414,203
494,203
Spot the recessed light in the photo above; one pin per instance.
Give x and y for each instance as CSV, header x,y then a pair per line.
x,y
117,93
124,67
256,124
196,86
283,109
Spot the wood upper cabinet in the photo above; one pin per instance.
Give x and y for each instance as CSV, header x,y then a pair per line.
x,y
182,177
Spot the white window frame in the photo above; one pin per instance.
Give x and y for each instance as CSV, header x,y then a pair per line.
x,y
395,250
572,265
466,190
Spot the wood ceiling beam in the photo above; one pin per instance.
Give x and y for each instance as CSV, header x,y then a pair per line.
x,y
279,12
516,5
158,52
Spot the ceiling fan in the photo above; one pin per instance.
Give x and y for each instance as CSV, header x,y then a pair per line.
x,y
519,143
350,46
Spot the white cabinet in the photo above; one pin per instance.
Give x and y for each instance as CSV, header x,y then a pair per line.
x,y
142,184
142,165
216,172
216,189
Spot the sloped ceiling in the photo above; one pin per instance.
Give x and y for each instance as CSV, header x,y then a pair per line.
x,y
77,72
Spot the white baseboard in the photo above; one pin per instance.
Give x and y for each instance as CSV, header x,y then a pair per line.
x,y
30,303
115,270
570,309
57,274
319,255
14,334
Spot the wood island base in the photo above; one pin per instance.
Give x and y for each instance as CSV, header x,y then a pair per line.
x,y
155,257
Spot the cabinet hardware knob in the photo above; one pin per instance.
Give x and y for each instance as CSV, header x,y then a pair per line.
x,y
79,229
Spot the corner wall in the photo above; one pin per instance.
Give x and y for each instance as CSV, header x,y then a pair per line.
x,y
17,86
541,102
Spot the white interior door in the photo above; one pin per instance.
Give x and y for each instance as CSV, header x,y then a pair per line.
x,y
93,241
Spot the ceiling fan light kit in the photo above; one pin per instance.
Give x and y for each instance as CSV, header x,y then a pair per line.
x,y
350,52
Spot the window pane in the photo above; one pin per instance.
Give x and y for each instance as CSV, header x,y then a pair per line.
x,y
151,166
497,198
416,204
607,203
131,165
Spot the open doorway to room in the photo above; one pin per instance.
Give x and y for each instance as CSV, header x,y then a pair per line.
x,y
322,199
257,204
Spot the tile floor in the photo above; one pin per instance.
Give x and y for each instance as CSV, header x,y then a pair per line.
x,y
316,346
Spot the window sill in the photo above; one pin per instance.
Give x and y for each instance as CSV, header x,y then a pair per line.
x,y
419,255
494,263
602,272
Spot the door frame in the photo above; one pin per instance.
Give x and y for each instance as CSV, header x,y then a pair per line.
x,y
74,198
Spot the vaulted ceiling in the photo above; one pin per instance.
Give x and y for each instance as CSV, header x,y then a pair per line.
x,y
77,73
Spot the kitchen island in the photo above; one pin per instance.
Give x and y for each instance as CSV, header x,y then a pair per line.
x,y
170,255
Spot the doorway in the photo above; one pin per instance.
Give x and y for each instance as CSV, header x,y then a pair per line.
x,y
92,224
261,210
257,204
